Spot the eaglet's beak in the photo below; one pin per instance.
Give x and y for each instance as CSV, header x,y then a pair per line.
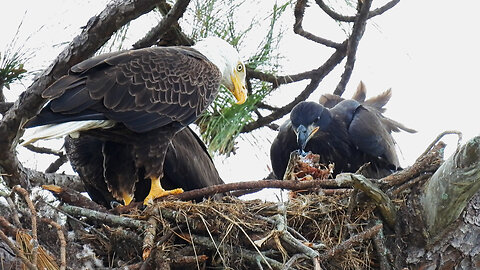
x,y
239,90
304,134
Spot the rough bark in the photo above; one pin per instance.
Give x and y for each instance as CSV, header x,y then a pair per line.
x,y
451,187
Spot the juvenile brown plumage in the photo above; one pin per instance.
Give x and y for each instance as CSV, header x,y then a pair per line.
x,y
141,98
187,165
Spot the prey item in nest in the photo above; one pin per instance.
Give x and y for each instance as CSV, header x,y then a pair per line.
x,y
307,167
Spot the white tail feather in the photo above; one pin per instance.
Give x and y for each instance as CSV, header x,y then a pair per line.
x,y
46,132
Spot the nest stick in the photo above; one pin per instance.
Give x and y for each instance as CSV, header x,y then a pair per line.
x,y
149,239
13,208
383,202
63,243
379,244
251,256
352,241
102,217
17,251
260,184
18,189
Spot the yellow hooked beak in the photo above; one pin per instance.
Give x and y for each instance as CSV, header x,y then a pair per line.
x,y
239,90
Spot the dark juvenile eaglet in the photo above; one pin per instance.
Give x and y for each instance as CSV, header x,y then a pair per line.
x,y
187,165
138,99
346,132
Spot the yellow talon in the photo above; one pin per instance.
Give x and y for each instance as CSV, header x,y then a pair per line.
x,y
156,191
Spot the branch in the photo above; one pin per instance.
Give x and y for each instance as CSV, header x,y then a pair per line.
x,y
33,217
97,31
298,28
37,178
17,251
284,184
168,21
343,18
383,202
357,33
63,243
279,80
450,188
354,240
425,163
100,217
62,158
251,256
318,76
73,197
5,106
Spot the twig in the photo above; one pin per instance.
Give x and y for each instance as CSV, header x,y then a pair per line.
x,y
292,241
5,106
43,150
54,166
73,197
343,18
249,255
17,251
426,163
37,178
288,265
316,76
26,197
298,29
157,32
260,184
149,239
379,244
437,139
357,33
110,219
183,261
383,202
352,241
63,243
13,208
410,183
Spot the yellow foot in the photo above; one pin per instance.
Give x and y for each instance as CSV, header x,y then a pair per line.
x,y
156,191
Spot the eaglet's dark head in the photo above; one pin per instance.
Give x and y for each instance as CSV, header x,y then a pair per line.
x,y
307,118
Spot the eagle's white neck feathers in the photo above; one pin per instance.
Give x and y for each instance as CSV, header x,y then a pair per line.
x,y
221,54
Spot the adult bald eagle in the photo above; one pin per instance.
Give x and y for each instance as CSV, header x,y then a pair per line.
x,y
98,162
141,98
348,133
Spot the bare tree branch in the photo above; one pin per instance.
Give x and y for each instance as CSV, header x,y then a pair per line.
x,y
339,17
319,74
298,28
353,41
158,31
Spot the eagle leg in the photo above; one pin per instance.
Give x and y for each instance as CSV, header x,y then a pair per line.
x,y
156,191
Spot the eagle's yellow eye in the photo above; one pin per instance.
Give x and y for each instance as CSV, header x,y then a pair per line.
x,y
240,67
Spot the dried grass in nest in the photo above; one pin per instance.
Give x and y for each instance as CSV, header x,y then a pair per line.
x,y
44,260
235,224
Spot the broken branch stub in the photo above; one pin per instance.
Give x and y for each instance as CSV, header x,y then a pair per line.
x,y
451,187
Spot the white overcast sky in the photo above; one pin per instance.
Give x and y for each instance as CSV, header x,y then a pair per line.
x,y
427,51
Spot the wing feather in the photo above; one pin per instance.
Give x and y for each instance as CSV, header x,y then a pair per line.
x,y
144,89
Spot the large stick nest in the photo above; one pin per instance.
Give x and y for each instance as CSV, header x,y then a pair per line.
x,y
325,224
